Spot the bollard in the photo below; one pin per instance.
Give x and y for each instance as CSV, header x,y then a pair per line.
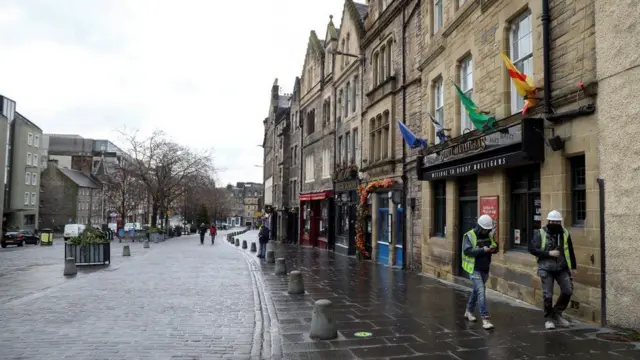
x,y
146,244
237,242
126,251
281,266
70,266
253,247
296,285
271,257
244,244
323,326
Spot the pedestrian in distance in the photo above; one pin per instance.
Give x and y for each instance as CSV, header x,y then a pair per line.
x,y
478,245
213,232
203,231
553,249
263,239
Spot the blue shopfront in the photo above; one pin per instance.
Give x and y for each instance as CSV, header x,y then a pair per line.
x,y
389,224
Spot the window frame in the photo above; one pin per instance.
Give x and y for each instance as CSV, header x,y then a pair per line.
x,y
27,178
30,139
339,149
532,190
578,190
347,147
309,167
466,72
27,197
34,179
438,104
438,14
29,157
519,60
439,189
36,140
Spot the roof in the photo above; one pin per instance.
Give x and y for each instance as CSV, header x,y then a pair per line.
x,y
363,10
79,178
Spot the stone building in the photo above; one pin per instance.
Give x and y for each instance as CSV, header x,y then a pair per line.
x,y
391,45
295,167
344,69
252,200
316,191
69,197
617,35
7,114
530,164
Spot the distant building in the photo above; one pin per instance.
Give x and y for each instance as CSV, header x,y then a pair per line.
x,y
246,203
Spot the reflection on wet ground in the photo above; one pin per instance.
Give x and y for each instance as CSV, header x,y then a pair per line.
x,y
412,316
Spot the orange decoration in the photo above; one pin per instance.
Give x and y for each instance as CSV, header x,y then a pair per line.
x,y
363,192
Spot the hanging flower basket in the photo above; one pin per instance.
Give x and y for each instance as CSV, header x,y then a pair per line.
x,y
363,193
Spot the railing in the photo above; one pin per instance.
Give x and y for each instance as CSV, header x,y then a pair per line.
x,y
92,254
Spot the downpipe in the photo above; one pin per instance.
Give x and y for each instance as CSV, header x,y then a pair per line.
x,y
546,55
603,257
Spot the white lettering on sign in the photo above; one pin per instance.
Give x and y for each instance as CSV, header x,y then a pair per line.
x,y
468,168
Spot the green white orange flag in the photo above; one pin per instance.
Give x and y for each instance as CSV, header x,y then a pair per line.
x,y
522,82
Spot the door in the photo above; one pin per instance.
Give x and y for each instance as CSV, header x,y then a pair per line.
x,y
383,236
399,248
468,205
352,229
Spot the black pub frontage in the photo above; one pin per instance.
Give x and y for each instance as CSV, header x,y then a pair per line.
x,y
346,200
495,173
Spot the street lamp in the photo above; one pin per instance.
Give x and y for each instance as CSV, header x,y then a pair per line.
x,y
260,166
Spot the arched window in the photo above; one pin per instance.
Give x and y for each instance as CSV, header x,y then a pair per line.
x,y
383,59
376,61
388,73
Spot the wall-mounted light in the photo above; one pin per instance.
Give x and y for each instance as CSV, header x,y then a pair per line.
x,y
395,196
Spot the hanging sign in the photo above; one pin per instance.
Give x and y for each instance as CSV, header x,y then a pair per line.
x,y
490,205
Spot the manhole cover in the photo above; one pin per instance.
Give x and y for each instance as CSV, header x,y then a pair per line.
x,y
363,334
617,337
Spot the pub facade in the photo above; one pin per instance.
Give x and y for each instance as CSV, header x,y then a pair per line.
x,y
521,167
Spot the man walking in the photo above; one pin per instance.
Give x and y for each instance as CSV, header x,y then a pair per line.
x,y
478,246
553,248
263,239
203,231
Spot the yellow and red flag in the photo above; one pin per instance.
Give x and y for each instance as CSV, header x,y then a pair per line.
x,y
522,82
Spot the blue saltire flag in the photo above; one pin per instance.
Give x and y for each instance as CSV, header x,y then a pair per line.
x,y
410,138
439,129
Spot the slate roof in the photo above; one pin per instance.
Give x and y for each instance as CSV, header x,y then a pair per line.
x,y
363,9
79,178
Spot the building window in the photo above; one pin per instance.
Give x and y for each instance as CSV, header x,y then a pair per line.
x,y
328,114
356,147
466,85
326,163
347,59
383,64
28,158
460,3
311,122
340,108
388,70
347,148
308,171
438,100
34,179
27,178
376,61
439,208
578,190
354,93
437,15
34,162
33,198
347,99
30,139
26,198
525,204
36,141
339,149
384,143
521,54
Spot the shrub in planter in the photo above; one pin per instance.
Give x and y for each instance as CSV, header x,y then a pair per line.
x,y
178,230
89,248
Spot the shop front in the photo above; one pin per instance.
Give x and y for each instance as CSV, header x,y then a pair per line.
x,y
346,200
316,219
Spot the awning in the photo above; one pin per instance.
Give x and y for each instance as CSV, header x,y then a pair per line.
x,y
321,195
496,162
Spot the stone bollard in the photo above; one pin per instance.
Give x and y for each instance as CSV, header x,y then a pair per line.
x,y
146,244
323,327
70,266
126,251
244,244
237,242
281,266
296,285
253,247
271,257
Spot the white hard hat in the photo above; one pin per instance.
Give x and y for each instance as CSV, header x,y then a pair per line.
x,y
485,222
554,215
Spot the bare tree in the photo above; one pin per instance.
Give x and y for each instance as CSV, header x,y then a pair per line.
x,y
164,167
123,189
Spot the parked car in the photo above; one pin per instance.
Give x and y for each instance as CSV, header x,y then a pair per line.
x,y
19,238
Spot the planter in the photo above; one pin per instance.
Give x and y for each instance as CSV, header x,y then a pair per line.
x,y
93,254
156,237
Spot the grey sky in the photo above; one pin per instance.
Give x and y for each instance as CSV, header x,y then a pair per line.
x,y
201,70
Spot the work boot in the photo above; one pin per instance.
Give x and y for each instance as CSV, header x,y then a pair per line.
x,y
562,321
469,316
486,324
549,325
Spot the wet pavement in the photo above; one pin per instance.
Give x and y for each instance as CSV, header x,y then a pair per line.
x,y
409,316
176,300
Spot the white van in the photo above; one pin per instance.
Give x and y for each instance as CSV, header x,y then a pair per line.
x,y
132,226
73,230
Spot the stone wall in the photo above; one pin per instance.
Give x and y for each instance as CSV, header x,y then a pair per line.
x,y
58,199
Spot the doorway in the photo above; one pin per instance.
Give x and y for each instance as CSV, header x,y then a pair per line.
x,y
383,236
399,247
468,205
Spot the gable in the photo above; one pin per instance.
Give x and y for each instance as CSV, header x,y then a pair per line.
x,y
331,33
315,51
354,14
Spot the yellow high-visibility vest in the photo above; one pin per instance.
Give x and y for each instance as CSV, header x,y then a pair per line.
x,y
543,244
469,262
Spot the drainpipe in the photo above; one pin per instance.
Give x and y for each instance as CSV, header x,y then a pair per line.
x,y
603,258
546,50
300,182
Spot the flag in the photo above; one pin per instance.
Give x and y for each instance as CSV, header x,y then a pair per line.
x,y
410,138
439,129
522,82
480,121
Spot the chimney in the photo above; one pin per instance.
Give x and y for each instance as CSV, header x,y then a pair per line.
x,y
82,163
52,163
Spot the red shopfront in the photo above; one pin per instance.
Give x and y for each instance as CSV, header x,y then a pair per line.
x,y
316,216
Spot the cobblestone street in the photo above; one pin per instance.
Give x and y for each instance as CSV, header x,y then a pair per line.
x,y
176,300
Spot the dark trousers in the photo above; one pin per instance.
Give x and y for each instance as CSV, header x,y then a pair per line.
x,y
201,238
263,250
565,282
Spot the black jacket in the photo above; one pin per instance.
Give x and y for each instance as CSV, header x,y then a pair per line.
x,y
554,241
263,235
